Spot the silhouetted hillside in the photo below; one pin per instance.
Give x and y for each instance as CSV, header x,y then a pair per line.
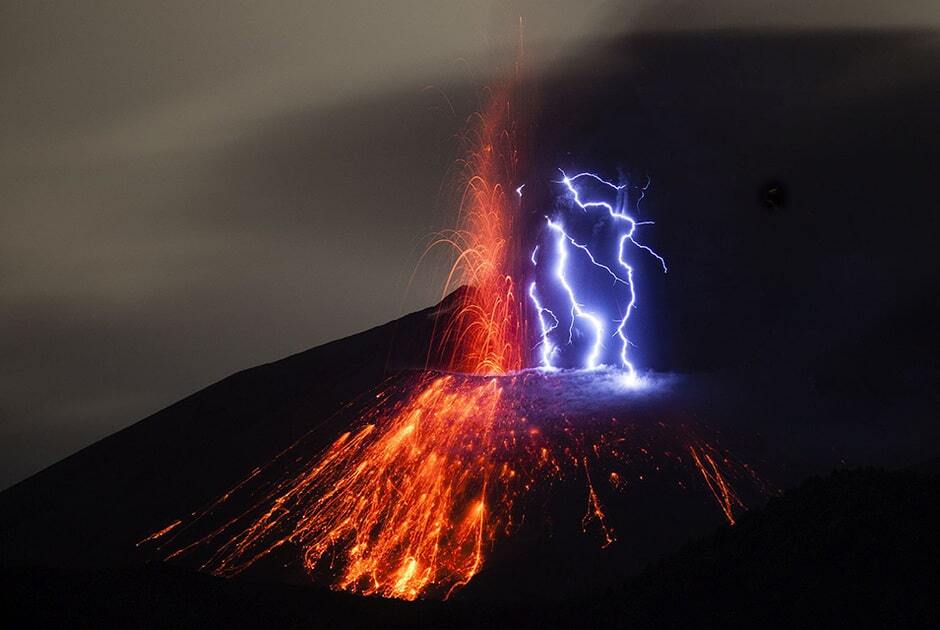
x,y
852,549
92,507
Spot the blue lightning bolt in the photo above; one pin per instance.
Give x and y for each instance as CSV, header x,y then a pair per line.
x,y
577,310
618,216
590,256
547,348
626,278
624,342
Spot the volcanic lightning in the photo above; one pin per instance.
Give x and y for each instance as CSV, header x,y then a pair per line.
x,y
595,322
577,310
411,495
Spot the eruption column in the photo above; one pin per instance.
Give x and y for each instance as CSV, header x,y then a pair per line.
x,y
406,502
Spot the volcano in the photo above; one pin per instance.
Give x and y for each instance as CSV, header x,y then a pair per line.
x,y
426,460
626,483
98,507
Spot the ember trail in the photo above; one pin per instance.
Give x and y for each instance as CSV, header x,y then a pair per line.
x,y
439,470
405,504
408,500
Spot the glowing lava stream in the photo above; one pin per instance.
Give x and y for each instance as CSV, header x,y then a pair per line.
x,y
402,500
401,503
484,335
407,502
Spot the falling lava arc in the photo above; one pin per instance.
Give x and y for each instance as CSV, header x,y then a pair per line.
x,y
404,500
408,500
438,470
484,333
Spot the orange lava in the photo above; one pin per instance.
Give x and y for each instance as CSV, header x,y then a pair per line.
x,y
160,533
485,333
400,504
711,472
407,504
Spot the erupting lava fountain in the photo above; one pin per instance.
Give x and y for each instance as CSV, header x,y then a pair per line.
x,y
409,501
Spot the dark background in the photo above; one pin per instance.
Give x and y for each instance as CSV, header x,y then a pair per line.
x,y
188,191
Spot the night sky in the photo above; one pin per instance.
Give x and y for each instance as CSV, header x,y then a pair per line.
x,y
193,189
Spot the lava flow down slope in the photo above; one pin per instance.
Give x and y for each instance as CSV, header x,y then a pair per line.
x,y
617,366
527,454
440,469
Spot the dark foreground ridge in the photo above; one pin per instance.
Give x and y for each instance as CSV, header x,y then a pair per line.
x,y
854,549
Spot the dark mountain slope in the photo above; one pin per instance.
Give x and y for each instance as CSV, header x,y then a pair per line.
x,y
852,549
92,507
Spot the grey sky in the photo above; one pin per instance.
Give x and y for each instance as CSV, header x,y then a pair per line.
x,y
189,189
